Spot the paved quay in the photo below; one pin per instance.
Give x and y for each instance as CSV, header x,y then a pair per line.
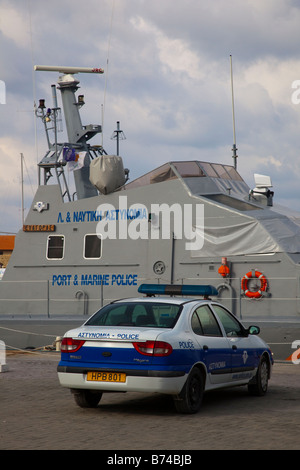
x,y
36,413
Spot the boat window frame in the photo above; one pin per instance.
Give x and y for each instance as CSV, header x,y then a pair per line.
x,y
84,246
63,246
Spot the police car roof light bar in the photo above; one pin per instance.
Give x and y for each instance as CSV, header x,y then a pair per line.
x,y
174,289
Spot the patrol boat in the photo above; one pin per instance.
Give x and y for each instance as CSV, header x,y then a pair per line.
x,y
185,222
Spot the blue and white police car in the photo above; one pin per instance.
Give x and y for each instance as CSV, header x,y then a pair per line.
x,y
180,346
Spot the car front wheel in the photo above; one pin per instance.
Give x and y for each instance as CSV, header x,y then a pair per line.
x,y
190,398
86,398
260,386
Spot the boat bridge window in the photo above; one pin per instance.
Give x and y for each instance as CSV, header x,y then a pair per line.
x,y
55,246
92,246
163,173
186,169
234,175
216,170
213,170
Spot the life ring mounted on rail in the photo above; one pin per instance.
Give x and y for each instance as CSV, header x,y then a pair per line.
x,y
263,284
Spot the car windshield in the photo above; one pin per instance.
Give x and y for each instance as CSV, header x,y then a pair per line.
x,y
140,314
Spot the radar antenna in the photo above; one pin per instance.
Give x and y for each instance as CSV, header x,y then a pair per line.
x,y
68,70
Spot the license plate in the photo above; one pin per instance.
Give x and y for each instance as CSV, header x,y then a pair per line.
x,y
106,377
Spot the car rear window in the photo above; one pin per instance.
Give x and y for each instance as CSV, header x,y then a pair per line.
x,y
150,314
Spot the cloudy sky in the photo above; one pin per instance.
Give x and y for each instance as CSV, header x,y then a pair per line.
x,y
167,80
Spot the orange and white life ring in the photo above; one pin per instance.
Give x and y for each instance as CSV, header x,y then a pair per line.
x,y
263,284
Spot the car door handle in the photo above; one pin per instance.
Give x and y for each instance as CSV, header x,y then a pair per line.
x,y
205,347
234,347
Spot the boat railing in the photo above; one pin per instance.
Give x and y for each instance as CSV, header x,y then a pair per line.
x,y
66,300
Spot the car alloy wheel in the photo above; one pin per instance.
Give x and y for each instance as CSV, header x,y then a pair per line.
x,y
190,398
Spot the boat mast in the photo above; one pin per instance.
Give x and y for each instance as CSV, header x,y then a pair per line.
x,y
78,135
118,135
22,190
234,148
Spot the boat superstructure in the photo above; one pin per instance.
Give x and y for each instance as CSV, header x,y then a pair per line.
x,y
185,222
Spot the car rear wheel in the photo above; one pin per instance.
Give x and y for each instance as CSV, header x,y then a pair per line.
x,y
190,398
260,386
86,398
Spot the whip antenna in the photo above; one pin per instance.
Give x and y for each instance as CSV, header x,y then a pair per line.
x,y
234,148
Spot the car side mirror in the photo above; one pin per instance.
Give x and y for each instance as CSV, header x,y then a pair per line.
x,y
253,330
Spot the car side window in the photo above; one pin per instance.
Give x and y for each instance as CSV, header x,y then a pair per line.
x,y
196,326
204,322
231,326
